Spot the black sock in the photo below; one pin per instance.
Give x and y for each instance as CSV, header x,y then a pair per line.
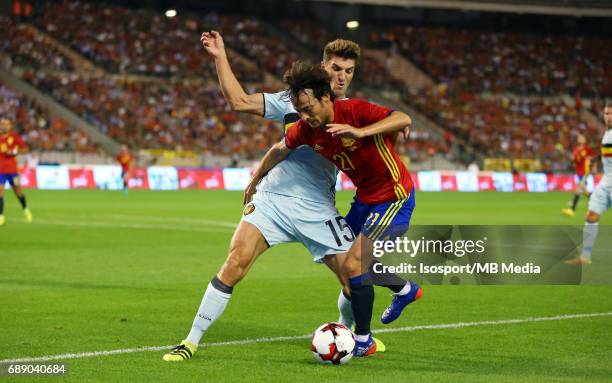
x,y
217,284
23,201
1,205
575,202
386,279
362,302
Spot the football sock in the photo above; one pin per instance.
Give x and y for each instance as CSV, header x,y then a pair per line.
x,y
362,300
362,338
1,205
405,290
22,200
388,280
213,304
589,233
345,309
575,202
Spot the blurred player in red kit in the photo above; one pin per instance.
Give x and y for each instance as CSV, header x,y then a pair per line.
x,y
125,159
582,155
11,145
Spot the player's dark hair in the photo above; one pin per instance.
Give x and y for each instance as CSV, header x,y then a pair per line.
x,y
304,75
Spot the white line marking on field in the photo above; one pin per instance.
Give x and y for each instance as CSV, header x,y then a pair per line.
x,y
196,221
298,337
201,229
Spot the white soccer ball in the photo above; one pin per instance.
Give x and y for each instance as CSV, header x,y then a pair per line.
x,y
333,343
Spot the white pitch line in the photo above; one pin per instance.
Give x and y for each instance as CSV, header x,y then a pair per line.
x,y
298,337
231,225
201,229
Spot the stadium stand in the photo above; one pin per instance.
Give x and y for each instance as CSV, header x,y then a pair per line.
x,y
41,131
160,114
513,94
521,63
27,49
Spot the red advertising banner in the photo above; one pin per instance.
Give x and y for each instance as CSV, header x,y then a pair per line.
x,y
81,179
27,178
560,182
200,178
485,183
415,181
520,182
138,179
347,184
597,178
449,182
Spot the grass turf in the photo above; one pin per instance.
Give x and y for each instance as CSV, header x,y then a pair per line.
x,y
102,271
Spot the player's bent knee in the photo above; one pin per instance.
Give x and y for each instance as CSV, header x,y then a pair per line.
x,y
592,217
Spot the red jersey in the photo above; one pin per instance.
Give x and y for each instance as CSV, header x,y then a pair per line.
x,y
125,159
9,148
582,156
371,162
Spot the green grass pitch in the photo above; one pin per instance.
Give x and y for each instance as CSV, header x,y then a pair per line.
x,y
100,271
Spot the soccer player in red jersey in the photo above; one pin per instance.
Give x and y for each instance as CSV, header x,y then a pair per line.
x,y
10,146
582,155
357,137
125,159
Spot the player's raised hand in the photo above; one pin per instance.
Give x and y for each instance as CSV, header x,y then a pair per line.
x,y
213,43
343,130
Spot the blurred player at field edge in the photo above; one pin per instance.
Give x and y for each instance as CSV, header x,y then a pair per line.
x,y
601,199
10,146
125,159
582,155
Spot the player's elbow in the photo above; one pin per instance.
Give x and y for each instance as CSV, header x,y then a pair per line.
x,y
280,150
240,104
280,146
404,119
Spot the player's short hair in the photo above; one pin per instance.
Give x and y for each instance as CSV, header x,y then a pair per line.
x,y
345,49
304,75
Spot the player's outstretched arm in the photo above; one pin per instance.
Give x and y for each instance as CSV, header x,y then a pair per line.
x,y
275,154
395,122
233,92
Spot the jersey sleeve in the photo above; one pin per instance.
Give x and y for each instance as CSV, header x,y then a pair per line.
x,y
369,113
277,106
295,135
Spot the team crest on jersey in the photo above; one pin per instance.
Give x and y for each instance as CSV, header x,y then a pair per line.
x,y
248,209
350,144
347,142
318,147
